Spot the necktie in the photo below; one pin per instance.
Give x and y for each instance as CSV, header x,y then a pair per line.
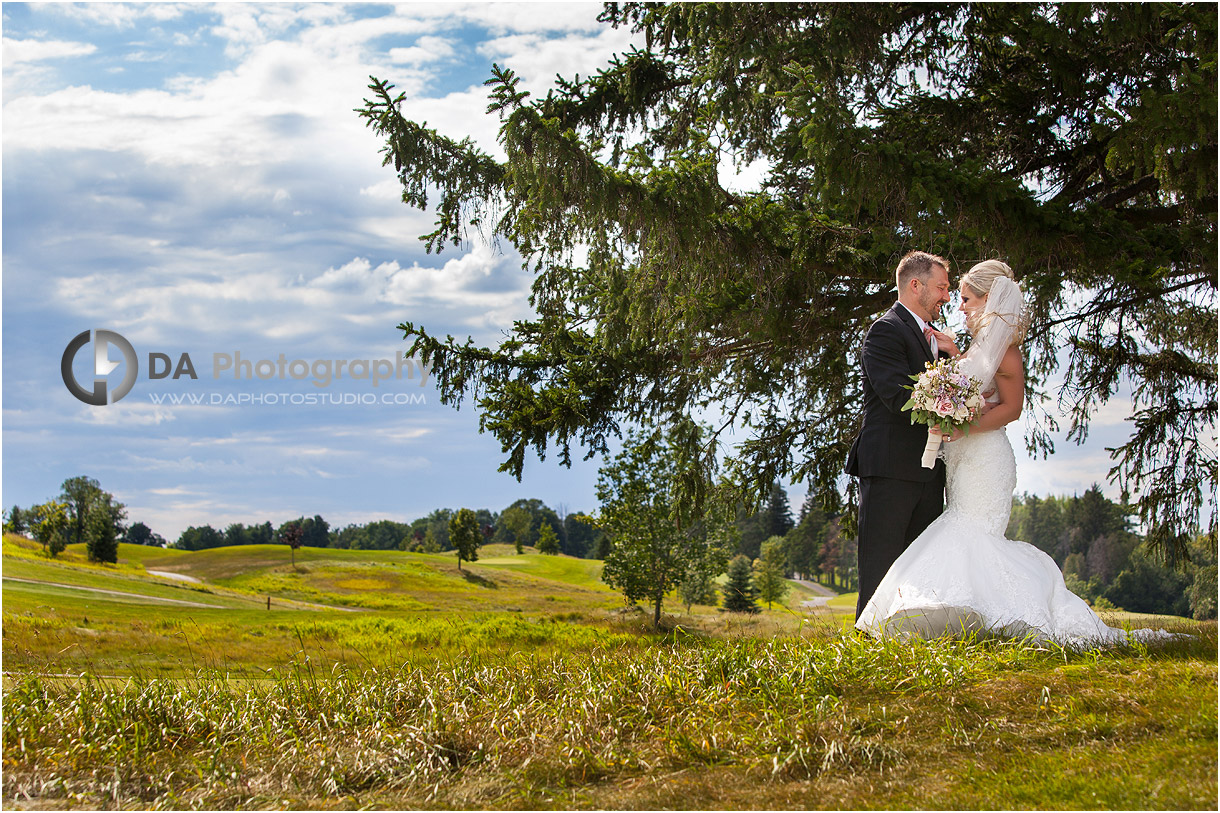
x,y
927,334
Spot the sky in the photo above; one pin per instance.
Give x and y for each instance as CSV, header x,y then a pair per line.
x,y
194,178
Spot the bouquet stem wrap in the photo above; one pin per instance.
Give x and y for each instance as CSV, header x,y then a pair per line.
x,y
931,449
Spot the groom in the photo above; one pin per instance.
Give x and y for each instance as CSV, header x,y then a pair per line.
x,y
898,496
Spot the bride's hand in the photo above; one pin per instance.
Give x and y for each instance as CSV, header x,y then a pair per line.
x,y
987,405
946,343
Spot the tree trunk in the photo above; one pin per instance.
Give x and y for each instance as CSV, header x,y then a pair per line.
x,y
656,615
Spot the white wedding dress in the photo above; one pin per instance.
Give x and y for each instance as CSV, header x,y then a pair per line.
x,y
962,576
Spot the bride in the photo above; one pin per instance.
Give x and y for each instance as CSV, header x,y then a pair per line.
x,y
961,575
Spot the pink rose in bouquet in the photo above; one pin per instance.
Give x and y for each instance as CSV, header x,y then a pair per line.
x,y
944,398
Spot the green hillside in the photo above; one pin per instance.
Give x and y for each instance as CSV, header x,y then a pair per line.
x,y
249,608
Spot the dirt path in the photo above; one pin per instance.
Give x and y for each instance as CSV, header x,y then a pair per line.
x,y
820,589
182,577
283,603
825,594
119,593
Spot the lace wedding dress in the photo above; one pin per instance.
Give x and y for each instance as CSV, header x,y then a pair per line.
x,y
962,575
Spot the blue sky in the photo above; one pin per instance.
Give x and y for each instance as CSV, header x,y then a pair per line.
x,y
193,178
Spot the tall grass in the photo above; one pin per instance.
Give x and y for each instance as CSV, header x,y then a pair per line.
x,y
593,729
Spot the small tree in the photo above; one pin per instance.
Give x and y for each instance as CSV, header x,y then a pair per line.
x,y
49,525
16,522
699,584
547,541
648,515
101,532
513,525
430,545
465,535
140,534
769,571
292,535
739,592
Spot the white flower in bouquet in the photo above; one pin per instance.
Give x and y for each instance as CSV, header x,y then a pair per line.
x,y
944,398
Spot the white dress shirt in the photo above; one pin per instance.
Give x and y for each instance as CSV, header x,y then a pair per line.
x,y
923,326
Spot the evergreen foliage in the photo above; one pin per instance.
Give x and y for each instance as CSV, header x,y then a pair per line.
x,y
1075,141
706,562
804,541
739,591
16,521
1203,587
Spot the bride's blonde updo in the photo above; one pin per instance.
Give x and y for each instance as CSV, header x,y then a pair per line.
x,y
979,280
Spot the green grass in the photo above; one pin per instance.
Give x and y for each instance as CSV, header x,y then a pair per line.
x,y
522,682
835,722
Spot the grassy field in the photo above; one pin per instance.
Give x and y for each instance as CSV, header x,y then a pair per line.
x,y
392,680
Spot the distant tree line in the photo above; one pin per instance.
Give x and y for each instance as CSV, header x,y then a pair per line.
x,y
1090,537
524,523
83,512
1105,561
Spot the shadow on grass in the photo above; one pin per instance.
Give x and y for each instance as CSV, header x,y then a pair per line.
x,y
475,578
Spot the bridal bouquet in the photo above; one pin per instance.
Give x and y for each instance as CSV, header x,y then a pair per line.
x,y
946,399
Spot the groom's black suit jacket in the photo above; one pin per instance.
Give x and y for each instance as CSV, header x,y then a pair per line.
x,y
889,445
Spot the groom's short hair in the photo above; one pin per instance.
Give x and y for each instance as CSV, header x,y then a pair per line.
x,y
917,265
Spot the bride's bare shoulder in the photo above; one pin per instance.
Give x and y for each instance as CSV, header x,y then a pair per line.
x,y
1013,363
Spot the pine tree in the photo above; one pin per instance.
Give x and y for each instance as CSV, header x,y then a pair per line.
x,y
804,540
698,585
1075,141
1202,593
777,515
17,521
739,592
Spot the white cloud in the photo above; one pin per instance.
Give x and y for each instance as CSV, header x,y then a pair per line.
x,y
196,296
171,492
19,51
118,15
530,17
425,50
128,413
538,59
